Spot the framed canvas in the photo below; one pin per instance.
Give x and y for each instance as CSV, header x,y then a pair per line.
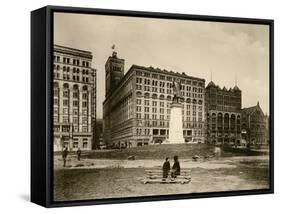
x,y
131,106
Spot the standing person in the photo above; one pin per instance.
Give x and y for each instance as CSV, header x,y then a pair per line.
x,y
64,155
166,168
176,169
78,154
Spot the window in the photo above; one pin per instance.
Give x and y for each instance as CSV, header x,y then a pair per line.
x,y
65,119
85,96
56,101
65,102
75,103
75,94
85,143
84,104
75,119
56,119
65,110
65,93
84,128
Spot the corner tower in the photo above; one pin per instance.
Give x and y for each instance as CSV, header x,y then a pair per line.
x,y
114,69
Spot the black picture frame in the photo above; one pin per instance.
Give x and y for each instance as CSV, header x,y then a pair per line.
x,y
41,103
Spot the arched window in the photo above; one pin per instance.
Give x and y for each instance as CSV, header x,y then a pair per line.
x,y
220,119
161,97
169,97
146,95
85,88
65,85
232,122
139,94
226,121
188,100
58,67
75,87
154,96
194,101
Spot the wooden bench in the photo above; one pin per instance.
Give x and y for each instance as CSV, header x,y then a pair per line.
x,y
156,176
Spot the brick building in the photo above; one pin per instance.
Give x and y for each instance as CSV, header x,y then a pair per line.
x,y
137,105
74,98
255,126
223,107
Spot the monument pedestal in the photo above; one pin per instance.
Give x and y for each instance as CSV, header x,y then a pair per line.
x,y
175,129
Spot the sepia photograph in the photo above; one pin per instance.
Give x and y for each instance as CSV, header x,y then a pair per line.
x,y
147,106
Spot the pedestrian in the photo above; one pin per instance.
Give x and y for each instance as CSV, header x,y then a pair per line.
x,y
166,168
176,170
64,155
78,154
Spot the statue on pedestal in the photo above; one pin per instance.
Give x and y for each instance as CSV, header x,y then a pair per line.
x,y
177,91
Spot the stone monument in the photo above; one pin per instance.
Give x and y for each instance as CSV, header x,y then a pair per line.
x,y
175,128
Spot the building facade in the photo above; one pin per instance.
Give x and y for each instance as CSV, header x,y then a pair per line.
x,y
74,99
223,114
136,112
255,126
99,135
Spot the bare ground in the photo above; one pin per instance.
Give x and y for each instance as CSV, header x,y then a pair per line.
x,y
107,178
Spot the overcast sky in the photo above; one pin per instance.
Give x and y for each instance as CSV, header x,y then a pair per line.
x,y
226,50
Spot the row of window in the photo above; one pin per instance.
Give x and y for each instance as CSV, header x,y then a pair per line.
x,y
71,77
65,119
67,69
168,85
169,98
140,131
169,78
153,116
73,61
66,103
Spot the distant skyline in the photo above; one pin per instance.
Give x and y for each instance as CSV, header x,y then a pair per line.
x,y
224,52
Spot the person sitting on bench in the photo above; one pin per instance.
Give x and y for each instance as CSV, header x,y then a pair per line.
x,y
166,168
176,170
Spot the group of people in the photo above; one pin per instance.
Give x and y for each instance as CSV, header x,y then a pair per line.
x,y
65,153
176,170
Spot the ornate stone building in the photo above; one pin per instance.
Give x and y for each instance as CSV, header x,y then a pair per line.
x,y
223,114
136,111
255,126
74,98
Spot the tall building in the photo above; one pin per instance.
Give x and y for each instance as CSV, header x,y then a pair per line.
x,y
136,111
255,125
74,98
223,114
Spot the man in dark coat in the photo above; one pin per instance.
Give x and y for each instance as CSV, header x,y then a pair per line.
x,y
78,154
176,169
64,155
166,168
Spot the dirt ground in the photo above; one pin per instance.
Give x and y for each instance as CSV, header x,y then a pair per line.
x,y
107,178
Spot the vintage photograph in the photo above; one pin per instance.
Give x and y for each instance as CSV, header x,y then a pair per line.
x,y
152,106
